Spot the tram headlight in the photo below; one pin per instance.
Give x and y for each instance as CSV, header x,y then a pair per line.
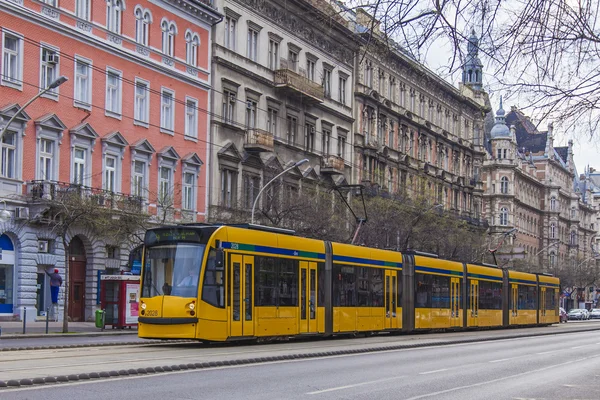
x,y
192,306
143,306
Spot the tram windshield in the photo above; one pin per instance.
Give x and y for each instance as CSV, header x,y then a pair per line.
x,y
172,269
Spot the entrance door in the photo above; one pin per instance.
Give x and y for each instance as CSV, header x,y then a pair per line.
x,y
308,297
474,303
77,269
391,285
241,289
455,302
40,298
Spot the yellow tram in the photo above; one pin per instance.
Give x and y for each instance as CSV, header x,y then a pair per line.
x,y
220,282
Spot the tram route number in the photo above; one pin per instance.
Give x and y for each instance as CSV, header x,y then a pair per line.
x,y
235,246
152,313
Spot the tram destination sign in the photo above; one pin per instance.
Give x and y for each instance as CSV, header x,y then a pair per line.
x,y
173,235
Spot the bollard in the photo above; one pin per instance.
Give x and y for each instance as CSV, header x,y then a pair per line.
x,y
24,319
47,316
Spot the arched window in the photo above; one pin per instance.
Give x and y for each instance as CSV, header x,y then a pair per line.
x,y
114,12
552,231
192,41
169,30
553,203
573,238
504,216
143,19
504,185
552,259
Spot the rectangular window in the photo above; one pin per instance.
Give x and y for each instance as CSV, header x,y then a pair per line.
x,y
167,112
188,192
8,155
252,47
82,9
326,141
12,60
310,69
251,114
292,129
342,90
164,185
110,173
309,134
139,178
191,118
46,158
83,83
292,60
228,187
273,54
142,103
229,99
272,116
251,189
341,150
344,286
113,92
230,32
78,166
327,82
49,69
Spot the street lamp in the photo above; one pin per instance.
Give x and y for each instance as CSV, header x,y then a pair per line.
x,y
57,82
271,181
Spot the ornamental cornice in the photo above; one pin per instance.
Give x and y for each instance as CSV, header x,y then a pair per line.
x,y
199,9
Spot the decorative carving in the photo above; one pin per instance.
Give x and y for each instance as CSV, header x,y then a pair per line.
x,y
116,39
168,60
84,26
192,71
143,50
50,12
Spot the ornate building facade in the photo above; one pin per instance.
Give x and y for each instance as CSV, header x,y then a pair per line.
x,y
282,78
415,133
532,189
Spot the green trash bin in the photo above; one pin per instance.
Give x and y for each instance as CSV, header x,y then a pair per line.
x,y
100,319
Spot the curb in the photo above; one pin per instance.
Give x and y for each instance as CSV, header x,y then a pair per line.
x,y
258,360
18,336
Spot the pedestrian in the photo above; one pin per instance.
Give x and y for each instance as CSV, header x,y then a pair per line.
x,y
55,284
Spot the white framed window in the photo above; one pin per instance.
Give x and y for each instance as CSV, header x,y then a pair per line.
x,y
191,117
82,9
188,202
504,216
273,54
113,92
228,112
114,15
142,102
552,259
292,60
169,30
50,2
138,181
165,185
167,110
79,166
342,89
228,187
553,203
310,69
252,46
341,149
325,141
12,60
192,42
143,19
7,168
504,185
369,74
46,161
49,70
110,173
251,107
292,129
327,82
230,32
552,231
272,116
83,83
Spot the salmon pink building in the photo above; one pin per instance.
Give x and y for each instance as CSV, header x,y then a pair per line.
x,y
129,123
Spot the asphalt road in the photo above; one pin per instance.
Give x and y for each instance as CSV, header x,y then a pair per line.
x,y
547,367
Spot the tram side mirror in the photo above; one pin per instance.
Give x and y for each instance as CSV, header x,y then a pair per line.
x,y
219,259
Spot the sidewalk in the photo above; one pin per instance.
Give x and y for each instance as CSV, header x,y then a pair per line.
x,y
14,329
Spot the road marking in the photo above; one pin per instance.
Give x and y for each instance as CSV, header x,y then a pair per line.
x,y
433,372
500,360
548,352
578,347
441,392
355,385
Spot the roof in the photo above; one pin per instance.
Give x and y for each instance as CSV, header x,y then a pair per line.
x,y
527,135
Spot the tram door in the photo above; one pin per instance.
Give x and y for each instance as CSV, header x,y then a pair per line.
x,y
391,285
455,301
241,289
473,315
308,297
514,312
542,302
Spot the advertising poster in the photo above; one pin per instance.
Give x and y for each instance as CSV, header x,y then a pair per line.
x,y
131,308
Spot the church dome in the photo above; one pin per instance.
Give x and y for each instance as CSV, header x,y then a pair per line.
x,y
500,129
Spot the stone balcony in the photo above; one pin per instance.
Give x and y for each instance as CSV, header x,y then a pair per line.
x,y
258,140
332,165
298,86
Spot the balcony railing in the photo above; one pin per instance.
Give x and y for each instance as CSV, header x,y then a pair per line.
x,y
332,165
258,140
299,86
69,193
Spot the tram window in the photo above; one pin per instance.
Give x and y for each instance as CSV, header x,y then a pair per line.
x,y
344,286
490,295
550,302
527,298
422,291
364,287
265,281
288,282
440,291
321,284
213,291
377,288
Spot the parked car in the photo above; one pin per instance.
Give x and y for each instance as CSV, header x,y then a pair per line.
x,y
577,313
595,313
586,312
563,315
